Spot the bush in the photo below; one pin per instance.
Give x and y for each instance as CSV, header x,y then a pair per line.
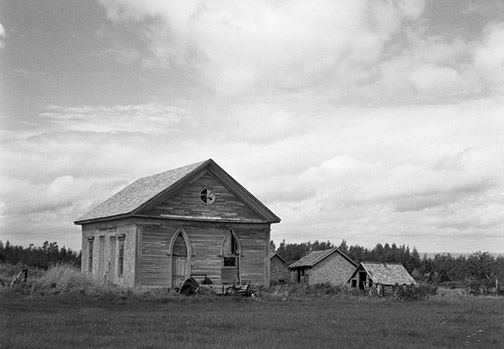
x,y
415,293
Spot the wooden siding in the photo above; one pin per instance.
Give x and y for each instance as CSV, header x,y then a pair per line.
x,y
206,239
104,253
188,203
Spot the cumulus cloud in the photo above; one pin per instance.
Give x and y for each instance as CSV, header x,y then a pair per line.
x,y
366,173
344,52
284,45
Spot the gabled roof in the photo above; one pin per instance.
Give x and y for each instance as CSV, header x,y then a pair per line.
x,y
315,257
147,191
386,273
273,254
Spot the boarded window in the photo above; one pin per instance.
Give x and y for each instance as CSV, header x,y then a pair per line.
x,y
120,263
90,255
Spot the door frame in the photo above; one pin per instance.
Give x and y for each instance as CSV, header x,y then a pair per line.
x,y
231,233
187,241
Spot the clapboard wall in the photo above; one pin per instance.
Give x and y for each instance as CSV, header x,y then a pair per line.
x,y
206,239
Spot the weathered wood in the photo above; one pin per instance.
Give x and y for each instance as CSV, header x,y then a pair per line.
x,y
178,232
188,203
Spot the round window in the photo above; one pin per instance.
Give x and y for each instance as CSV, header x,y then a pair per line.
x,y
207,196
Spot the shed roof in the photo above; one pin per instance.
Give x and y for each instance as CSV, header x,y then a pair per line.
x,y
146,190
273,254
315,257
386,273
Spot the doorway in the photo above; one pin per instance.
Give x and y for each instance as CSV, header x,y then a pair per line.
x,y
180,260
230,252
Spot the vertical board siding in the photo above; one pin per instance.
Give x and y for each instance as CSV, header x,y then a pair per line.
x,y
105,257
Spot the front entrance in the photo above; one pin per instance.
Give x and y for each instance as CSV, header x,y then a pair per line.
x,y
180,261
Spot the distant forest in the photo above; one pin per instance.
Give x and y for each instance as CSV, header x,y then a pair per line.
x,y
477,268
39,257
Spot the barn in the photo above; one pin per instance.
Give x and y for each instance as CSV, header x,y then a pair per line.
x,y
331,266
279,269
194,220
380,277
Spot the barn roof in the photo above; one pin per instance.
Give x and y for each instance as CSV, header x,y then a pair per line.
x,y
273,254
315,257
386,273
147,190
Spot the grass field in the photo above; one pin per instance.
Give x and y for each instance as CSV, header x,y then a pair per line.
x,y
77,321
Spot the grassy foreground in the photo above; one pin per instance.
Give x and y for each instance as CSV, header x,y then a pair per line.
x,y
82,321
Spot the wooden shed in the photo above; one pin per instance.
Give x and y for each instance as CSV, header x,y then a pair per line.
x,y
380,277
331,266
195,221
279,269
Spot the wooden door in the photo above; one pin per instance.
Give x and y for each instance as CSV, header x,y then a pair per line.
x,y
179,270
180,262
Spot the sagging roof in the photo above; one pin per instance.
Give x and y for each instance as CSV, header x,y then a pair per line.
x,y
315,257
386,273
146,190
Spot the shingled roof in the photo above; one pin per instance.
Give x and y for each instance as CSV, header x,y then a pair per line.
x,y
315,257
386,273
144,190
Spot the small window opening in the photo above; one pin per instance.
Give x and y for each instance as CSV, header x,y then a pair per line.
x,y
90,255
230,261
207,196
120,264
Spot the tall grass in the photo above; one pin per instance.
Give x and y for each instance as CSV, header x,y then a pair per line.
x,y
62,278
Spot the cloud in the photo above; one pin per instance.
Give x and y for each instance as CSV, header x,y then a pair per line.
x,y
284,46
2,36
489,56
361,173
364,53
148,118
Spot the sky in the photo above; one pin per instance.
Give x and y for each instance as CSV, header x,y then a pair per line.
x,y
372,121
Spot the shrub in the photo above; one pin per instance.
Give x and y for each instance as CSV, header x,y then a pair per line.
x,y
416,293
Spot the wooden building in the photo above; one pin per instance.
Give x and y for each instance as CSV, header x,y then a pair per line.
x,y
380,277
280,272
195,221
331,266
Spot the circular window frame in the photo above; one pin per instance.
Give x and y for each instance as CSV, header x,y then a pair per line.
x,y
207,196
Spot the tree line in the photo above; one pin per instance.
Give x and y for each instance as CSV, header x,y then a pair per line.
x,y
477,268
39,257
